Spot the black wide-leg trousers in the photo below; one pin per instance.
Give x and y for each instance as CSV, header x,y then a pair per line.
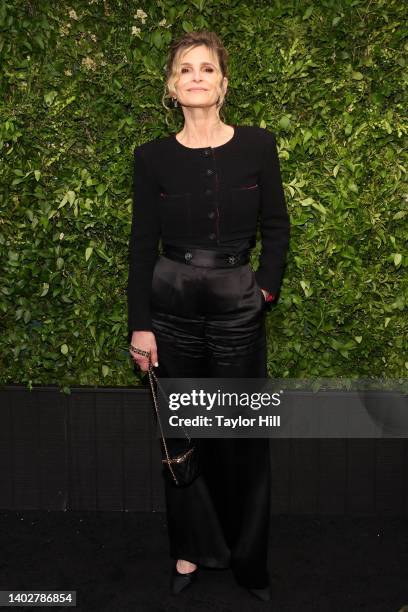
x,y
210,322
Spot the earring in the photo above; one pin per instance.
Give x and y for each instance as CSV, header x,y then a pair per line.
x,y
175,102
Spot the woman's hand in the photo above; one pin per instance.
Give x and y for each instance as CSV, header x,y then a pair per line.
x,y
268,297
146,341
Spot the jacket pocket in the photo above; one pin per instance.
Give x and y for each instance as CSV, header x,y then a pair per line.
x,y
241,213
175,215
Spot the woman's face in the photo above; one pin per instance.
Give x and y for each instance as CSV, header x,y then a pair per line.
x,y
199,78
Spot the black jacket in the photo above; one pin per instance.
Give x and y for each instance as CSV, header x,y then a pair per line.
x,y
208,197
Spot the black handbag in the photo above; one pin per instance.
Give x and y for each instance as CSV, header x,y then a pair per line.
x,y
182,468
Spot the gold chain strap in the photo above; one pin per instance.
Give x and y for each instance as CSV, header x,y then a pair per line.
x,y
152,375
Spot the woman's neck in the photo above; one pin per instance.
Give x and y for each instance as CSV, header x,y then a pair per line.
x,y
205,135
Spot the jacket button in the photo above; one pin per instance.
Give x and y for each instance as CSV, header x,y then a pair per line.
x,y
208,192
211,214
211,236
188,256
209,171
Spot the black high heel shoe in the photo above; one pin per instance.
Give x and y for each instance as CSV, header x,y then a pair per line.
x,y
181,581
262,594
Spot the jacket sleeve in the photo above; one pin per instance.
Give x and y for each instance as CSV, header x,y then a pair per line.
x,y
274,219
143,244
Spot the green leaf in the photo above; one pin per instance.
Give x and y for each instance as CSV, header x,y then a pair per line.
x,y
319,207
157,39
45,289
284,122
307,136
397,259
38,39
307,13
187,26
68,197
307,202
101,188
50,96
306,288
71,197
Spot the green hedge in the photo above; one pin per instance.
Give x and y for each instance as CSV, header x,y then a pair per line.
x,y
81,85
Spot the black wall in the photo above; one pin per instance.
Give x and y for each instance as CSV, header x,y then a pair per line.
x,y
96,449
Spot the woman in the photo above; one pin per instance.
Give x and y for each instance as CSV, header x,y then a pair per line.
x,y
199,309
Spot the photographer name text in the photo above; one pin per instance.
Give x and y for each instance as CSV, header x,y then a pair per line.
x,y
271,420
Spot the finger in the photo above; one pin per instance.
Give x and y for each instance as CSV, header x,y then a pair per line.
x,y
154,356
142,363
137,357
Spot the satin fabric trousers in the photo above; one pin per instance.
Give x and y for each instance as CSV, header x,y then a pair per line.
x,y
210,322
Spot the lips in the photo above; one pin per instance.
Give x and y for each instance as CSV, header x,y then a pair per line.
x,y
197,89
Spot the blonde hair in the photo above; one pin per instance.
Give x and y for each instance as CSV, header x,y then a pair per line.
x,y
182,44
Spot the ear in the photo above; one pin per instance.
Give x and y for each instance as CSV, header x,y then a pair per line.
x,y
225,84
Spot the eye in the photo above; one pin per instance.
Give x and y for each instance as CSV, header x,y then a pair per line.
x,y
210,69
183,69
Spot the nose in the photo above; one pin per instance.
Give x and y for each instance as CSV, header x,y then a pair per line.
x,y
196,75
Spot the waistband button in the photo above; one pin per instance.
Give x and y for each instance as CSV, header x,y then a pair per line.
x,y
188,256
